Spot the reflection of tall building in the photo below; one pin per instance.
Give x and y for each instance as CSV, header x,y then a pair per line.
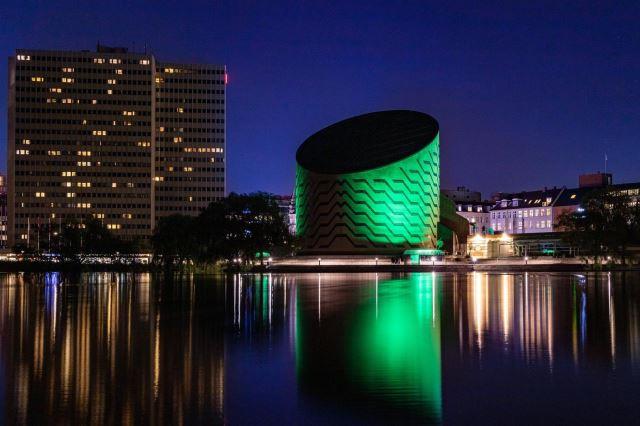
x,y
3,212
104,351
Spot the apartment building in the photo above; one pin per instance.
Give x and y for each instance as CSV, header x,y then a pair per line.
x,y
112,135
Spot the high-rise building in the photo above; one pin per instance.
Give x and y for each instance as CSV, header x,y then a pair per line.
x,y
112,135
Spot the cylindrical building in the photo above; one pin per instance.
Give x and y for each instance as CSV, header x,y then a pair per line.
x,y
369,184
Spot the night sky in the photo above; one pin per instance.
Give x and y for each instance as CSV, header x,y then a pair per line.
x,y
526,96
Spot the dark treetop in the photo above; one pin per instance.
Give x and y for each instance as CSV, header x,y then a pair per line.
x,y
367,141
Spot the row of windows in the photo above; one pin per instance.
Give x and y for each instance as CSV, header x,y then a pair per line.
x,y
61,163
87,143
78,184
82,59
521,213
201,71
58,121
164,119
50,131
162,100
164,187
23,226
520,226
187,198
102,101
186,140
91,174
193,110
188,90
81,80
102,154
79,111
170,80
82,70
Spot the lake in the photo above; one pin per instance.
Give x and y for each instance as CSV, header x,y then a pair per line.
x,y
371,348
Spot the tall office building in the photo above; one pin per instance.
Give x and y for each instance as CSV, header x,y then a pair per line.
x,y
111,135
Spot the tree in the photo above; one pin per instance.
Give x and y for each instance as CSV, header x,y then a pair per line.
x,y
174,239
608,222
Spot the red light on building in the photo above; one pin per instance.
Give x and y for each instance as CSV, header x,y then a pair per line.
x,y
226,78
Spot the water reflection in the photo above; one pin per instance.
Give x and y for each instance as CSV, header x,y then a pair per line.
x,y
317,349
109,349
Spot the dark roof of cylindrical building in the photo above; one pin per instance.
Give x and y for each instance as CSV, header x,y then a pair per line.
x,y
367,141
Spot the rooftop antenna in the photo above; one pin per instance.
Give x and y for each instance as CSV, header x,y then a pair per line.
x,y
605,163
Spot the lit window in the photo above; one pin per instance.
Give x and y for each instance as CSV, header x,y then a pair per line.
x,y
66,174
109,92
84,184
66,184
53,152
180,110
67,80
177,139
144,62
24,57
37,79
114,61
40,194
22,152
68,70
111,81
128,113
113,226
84,163
71,194
114,184
127,215
99,215
55,90
573,196
98,60
99,132
26,141
119,71
188,169
84,153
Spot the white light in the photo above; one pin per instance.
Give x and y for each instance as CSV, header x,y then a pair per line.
x,y
473,259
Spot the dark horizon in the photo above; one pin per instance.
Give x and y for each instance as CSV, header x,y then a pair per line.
x,y
526,96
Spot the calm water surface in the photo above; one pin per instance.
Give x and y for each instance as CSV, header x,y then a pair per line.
x,y
320,349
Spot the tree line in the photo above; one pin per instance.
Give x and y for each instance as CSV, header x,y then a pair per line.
x,y
607,224
239,228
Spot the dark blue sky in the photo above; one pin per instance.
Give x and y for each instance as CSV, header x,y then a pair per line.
x,y
526,95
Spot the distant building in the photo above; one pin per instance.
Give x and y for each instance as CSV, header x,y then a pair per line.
x,y
595,180
462,195
525,212
111,135
477,214
469,205
3,212
286,204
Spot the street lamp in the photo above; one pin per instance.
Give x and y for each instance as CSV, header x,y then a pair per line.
x,y
376,261
433,261
319,260
526,260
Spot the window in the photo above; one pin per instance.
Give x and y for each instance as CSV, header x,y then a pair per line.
x,y
40,194
24,57
144,62
67,80
111,81
71,194
68,70
115,61
53,152
98,60
573,196
22,152
68,174
37,79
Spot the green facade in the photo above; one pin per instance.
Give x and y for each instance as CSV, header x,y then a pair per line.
x,y
387,209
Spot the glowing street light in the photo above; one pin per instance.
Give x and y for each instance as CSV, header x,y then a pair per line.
x,y
433,260
526,260
319,260
376,261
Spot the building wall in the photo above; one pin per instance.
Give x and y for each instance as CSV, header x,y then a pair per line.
x,y
523,220
94,134
387,209
190,137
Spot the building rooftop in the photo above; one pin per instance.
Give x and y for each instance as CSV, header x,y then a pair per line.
x,y
367,141
526,199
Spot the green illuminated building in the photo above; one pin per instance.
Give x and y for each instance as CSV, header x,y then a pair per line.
x,y
370,184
